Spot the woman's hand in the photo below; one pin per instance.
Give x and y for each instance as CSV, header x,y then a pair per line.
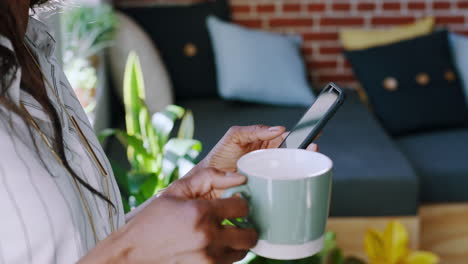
x,y
239,141
178,227
173,230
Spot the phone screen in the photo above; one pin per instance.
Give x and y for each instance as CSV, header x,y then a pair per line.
x,y
311,119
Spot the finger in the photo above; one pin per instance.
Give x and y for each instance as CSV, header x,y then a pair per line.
x,y
227,181
221,183
313,147
233,207
238,238
231,256
319,135
210,179
276,142
250,134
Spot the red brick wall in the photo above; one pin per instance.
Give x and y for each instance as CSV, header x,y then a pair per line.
x,y
319,22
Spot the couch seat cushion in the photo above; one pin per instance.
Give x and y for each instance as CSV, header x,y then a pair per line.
x,y
441,162
371,176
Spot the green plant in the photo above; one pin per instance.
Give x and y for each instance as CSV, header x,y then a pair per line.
x,y
156,159
86,31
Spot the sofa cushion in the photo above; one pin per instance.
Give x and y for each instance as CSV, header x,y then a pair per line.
x,y
440,160
371,176
357,39
413,85
180,33
459,44
259,67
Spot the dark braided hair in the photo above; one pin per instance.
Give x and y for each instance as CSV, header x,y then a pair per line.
x,y
31,82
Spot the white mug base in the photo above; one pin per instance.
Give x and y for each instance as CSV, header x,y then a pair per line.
x,y
288,252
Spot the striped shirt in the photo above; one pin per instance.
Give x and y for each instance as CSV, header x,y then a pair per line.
x,y
42,217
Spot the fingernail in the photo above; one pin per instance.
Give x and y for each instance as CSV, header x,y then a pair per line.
x,y
275,129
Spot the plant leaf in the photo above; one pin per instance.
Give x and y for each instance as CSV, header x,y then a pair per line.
x,y
150,136
136,180
187,126
120,175
420,257
330,242
395,239
163,122
174,150
126,140
133,93
181,147
106,133
176,110
335,256
184,166
374,246
143,118
150,187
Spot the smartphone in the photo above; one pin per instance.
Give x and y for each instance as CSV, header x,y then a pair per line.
x,y
313,121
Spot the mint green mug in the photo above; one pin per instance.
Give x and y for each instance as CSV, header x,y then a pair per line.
x,y
288,191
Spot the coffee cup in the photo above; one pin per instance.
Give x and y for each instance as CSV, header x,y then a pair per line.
x,y
288,191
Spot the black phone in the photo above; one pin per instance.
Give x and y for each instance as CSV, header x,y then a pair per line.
x,y
313,121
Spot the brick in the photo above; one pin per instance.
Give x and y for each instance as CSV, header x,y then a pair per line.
x,y
316,7
341,7
291,22
336,78
266,8
320,36
450,19
391,6
347,64
251,23
366,6
392,20
462,32
241,8
330,50
416,5
322,64
291,7
307,50
441,5
462,4
338,21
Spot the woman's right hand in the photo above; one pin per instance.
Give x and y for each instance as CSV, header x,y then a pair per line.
x,y
171,230
179,229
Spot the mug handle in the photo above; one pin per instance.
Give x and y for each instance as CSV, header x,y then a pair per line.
x,y
244,193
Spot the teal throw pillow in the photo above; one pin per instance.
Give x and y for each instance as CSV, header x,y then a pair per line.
x,y
459,44
259,67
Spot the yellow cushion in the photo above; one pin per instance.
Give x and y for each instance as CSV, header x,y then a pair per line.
x,y
356,39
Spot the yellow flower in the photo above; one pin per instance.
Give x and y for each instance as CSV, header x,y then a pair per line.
x,y
391,247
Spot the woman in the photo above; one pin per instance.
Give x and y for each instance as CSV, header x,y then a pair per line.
x,y
59,200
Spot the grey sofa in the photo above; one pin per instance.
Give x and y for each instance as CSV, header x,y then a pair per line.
x,y
374,174
371,175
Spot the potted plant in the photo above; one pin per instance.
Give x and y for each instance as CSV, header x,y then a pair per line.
x,y
156,159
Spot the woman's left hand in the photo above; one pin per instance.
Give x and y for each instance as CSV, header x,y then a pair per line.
x,y
239,141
